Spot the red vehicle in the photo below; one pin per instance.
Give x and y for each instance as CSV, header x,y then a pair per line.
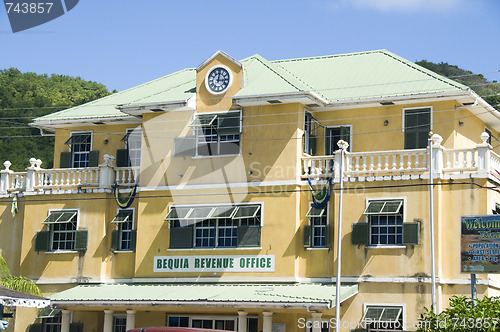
x,y
173,329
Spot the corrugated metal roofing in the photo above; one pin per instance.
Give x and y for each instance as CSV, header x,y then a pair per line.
x,y
336,78
367,75
176,86
262,293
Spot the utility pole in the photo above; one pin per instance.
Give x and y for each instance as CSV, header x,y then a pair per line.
x,y
343,145
431,225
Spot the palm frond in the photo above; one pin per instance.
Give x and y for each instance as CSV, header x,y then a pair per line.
x,y
4,269
21,284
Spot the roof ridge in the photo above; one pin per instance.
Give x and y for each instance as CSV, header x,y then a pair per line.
x,y
426,71
329,56
266,63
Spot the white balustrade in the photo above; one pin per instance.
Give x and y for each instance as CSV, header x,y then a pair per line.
x,y
67,178
386,162
460,160
17,181
127,176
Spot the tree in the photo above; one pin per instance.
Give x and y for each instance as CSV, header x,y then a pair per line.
x,y
25,96
20,284
490,91
463,315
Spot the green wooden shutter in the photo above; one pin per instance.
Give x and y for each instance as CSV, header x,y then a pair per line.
x,y
81,240
248,236
42,241
229,124
122,158
133,239
94,158
411,232
35,327
115,239
185,146
360,233
307,236
76,327
65,160
181,237
327,235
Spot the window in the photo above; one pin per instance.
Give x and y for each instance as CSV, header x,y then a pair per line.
x,y
61,233
324,323
52,324
316,234
386,221
218,323
80,145
217,134
310,134
335,134
380,318
62,226
124,236
416,126
133,146
223,226
119,324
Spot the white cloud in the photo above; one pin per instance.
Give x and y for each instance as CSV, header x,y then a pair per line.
x,y
402,5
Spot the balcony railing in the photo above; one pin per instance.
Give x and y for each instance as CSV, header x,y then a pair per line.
x,y
105,176
478,161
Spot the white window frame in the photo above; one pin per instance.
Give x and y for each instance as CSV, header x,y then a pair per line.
x,y
49,326
127,145
216,234
327,216
400,305
86,152
416,108
119,228
50,228
212,318
197,136
119,316
367,219
350,148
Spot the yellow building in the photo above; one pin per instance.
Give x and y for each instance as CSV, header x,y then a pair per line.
x,y
186,201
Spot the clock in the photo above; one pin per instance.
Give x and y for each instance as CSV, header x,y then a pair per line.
x,y
218,79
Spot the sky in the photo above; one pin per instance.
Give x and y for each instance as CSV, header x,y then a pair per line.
x,y
124,43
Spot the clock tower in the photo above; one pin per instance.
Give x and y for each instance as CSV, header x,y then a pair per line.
x,y
218,79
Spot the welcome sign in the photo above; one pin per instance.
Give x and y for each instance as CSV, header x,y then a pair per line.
x,y
212,263
480,252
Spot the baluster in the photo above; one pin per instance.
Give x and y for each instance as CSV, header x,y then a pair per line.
x,y
465,154
117,180
473,158
379,162
417,159
401,161
386,162
130,174
393,162
371,162
409,160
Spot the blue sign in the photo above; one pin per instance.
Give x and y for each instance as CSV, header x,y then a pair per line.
x,y
480,244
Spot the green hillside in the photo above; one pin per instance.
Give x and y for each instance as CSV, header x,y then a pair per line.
x,y
490,91
25,96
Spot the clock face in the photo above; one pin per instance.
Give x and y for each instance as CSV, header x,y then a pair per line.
x,y
218,80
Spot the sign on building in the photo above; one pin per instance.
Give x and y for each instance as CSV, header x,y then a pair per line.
x,y
228,263
480,244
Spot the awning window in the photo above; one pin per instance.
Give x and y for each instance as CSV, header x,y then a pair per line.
x,y
59,217
384,207
226,211
176,213
379,314
315,211
122,216
78,139
246,211
201,212
204,121
48,312
125,138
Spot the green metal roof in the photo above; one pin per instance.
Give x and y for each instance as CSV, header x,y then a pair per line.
x,y
366,75
176,86
336,78
298,294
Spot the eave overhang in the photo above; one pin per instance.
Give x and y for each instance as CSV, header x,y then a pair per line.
x,y
52,125
309,98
